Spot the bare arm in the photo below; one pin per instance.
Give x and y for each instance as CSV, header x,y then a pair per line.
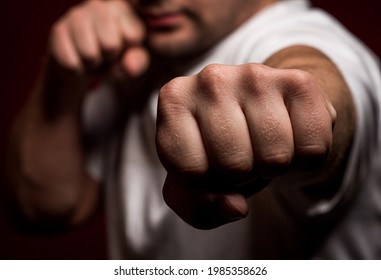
x,y
324,180
241,127
46,159
333,84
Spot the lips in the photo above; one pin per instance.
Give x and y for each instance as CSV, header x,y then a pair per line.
x,y
162,19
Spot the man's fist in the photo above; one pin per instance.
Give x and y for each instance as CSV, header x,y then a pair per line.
x,y
224,133
98,33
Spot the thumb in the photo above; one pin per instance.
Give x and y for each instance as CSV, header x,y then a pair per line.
x,y
135,61
201,208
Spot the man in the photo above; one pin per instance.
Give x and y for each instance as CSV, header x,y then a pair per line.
x,y
261,99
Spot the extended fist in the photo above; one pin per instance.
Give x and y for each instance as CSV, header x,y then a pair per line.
x,y
224,133
98,33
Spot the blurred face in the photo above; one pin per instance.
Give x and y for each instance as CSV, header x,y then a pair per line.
x,y
185,27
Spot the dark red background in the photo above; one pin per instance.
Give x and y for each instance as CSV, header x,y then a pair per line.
x,y
24,28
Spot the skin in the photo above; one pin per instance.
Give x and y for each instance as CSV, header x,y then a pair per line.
x,y
275,123
199,24
239,127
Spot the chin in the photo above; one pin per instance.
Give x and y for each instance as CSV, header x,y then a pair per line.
x,y
173,46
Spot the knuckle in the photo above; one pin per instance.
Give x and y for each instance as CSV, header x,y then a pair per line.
x,y
254,73
90,56
300,77
178,158
210,75
274,164
302,81
121,4
211,72
95,4
277,160
173,96
235,163
309,157
193,165
257,81
173,87
211,79
111,45
317,151
76,13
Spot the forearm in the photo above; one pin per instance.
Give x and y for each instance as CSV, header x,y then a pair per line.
x,y
325,180
46,159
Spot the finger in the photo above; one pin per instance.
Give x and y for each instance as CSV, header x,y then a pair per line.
x,y
135,61
129,23
226,137
271,133
178,138
63,49
202,209
311,120
222,123
84,37
108,32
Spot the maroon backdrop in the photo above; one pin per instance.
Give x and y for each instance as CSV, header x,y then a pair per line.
x,y
24,29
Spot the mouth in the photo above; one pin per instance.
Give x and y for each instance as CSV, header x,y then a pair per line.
x,y
162,20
